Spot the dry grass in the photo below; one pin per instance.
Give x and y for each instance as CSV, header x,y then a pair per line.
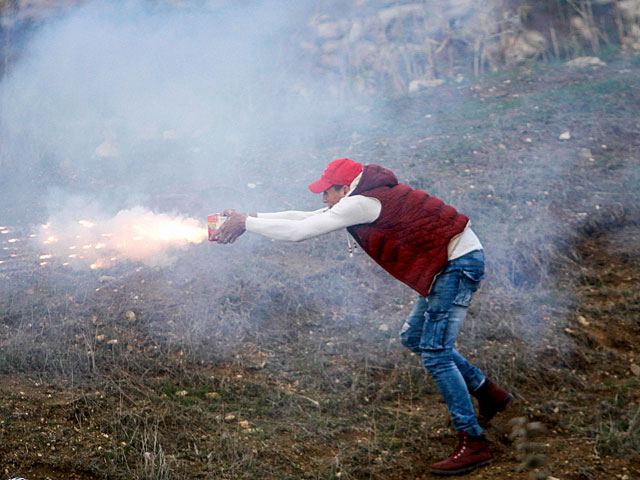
x,y
287,365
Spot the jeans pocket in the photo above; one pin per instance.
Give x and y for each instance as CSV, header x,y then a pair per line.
x,y
469,282
434,331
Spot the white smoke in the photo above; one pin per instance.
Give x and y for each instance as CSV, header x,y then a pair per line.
x,y
134,103
136,234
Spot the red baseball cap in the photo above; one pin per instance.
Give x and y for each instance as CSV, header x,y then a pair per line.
x,y
339,172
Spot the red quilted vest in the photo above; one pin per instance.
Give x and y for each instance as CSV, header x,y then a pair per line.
x,y
410,237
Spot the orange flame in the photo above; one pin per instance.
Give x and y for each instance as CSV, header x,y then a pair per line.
x,y
137,234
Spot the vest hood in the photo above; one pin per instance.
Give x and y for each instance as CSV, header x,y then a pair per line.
x,y
374,176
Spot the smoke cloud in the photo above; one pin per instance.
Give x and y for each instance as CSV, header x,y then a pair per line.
x,y
125,108
131,102
145,109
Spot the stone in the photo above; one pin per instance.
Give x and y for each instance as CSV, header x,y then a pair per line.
x,y
365,54
525,46
628,9
422,83
581,62
400,12
535,38
585,153
580,25
583,321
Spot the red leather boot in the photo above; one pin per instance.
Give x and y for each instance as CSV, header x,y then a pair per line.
x,y
471,453
491,400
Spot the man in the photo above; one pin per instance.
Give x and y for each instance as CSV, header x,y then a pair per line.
x,y
428,246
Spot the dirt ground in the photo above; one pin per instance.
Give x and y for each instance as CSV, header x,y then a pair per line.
x,y
305,394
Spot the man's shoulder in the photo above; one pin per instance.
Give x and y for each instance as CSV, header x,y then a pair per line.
x,y
353,200
358,207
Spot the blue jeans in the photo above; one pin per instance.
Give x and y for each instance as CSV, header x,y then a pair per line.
x,y
431,331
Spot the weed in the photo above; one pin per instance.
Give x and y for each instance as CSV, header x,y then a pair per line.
x,y
619,433
156,464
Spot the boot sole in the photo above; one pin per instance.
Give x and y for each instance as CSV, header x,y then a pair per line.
x,y
460,471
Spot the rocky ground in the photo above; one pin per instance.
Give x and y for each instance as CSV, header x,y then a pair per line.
x,y
295,371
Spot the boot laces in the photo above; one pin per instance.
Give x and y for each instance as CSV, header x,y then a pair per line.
x,y
462,446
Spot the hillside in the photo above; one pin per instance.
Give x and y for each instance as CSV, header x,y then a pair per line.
x,y
273,360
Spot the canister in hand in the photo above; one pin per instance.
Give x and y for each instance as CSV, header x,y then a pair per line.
x,y
214,221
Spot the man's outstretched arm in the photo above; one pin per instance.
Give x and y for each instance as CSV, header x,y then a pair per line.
x,y
350,211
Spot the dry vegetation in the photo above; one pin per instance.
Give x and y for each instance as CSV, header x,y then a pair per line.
x,y
271,360
268,360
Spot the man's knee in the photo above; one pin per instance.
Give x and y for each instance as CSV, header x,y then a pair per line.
x,y
410,340
434,359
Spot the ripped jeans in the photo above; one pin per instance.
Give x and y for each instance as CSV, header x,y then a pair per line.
x,y
431,331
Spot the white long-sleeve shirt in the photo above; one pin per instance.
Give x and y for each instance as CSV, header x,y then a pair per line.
x,y
295,226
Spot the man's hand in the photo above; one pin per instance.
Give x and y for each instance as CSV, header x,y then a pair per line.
x,y
232,228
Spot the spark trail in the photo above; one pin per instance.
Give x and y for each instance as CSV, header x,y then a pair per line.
x,y
137,234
